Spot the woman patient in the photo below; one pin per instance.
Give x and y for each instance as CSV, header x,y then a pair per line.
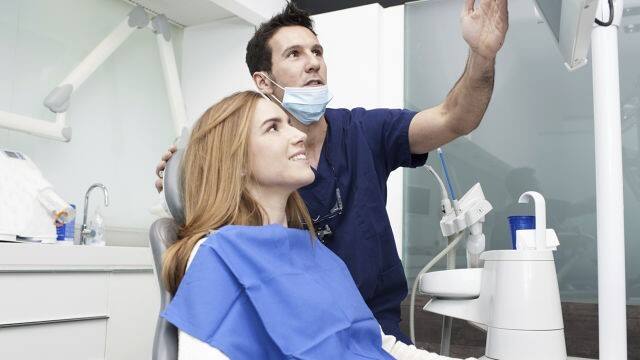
x,y
260,286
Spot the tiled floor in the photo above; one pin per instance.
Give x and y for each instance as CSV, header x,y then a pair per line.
x,y
580,321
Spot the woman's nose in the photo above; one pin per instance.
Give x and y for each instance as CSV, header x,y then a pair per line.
x,y
298,136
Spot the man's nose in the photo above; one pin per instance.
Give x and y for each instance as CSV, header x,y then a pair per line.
x,y
313,63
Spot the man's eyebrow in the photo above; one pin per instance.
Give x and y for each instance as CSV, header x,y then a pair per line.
x,y
291,48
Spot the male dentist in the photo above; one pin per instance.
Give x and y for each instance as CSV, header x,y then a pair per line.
x,y
352,152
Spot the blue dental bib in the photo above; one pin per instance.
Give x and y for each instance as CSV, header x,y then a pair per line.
x,y
269,292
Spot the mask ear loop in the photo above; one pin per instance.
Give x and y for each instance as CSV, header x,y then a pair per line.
x,y
272,98
275,83
265,96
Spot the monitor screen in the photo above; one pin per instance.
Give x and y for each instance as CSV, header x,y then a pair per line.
x,y
551,10
571,23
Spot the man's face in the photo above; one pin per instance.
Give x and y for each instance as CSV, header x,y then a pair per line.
x,y
296,59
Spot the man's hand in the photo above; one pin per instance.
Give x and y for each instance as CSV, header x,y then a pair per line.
x,y
484,27
162,164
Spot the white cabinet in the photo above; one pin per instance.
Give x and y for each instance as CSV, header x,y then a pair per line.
x,y
82,339
76,302
133,310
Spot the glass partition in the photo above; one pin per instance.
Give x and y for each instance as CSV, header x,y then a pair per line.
x,y
536,135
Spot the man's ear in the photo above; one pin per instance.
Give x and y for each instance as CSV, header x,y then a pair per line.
x,y
262,83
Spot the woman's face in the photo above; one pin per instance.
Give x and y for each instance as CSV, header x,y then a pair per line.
x,y
277,155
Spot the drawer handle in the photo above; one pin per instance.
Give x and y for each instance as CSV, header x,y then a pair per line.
x,y
55,321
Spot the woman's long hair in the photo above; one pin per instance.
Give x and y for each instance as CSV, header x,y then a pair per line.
x,y
215,175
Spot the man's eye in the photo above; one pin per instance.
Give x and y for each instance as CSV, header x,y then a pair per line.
x,y
317,52
272,128
293,54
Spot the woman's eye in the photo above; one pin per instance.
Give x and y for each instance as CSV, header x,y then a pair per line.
x,y
293,54
272,128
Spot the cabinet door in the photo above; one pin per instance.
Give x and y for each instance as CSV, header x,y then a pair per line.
x,y
133,311
43,296
71,340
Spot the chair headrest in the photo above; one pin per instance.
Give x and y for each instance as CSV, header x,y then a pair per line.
x,y
172,187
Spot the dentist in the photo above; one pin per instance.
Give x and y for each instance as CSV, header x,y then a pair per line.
x,y
352,152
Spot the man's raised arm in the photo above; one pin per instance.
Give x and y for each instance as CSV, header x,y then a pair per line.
x,y
484,28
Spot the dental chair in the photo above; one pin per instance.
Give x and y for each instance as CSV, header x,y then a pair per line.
x,y
163,233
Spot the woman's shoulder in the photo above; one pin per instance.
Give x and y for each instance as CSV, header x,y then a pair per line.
x,y
252,240
269,231
227,230
194,251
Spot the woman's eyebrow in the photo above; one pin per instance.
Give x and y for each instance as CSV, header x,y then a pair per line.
x,y
275,120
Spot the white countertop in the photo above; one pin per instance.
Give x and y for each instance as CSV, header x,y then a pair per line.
x,y
55,257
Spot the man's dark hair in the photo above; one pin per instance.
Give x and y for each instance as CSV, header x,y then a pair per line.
x,y
258,56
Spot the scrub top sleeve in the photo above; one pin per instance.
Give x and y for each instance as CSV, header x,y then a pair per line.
x,y
387,132
206,293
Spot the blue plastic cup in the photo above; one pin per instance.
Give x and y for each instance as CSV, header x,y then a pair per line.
x,y
520,222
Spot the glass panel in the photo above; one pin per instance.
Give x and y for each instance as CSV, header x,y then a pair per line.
x,y
536,135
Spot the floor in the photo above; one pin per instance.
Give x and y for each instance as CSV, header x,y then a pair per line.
x,y
580,321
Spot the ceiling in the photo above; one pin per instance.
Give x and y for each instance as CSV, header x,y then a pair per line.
x,y
185,12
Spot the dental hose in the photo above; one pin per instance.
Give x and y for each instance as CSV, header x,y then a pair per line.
x,y
431,263
451,259
447,209
444,202
446,173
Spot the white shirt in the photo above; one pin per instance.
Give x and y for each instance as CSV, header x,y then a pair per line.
x,y
190,348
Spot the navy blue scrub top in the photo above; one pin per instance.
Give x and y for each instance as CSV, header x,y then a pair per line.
x,y
360,150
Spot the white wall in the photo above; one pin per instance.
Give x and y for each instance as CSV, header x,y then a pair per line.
x,y
213,63
120,116
365,67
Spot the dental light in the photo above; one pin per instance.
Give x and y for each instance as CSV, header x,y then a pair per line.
x,y
59,99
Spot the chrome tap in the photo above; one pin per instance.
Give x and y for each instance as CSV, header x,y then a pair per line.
x,y
85,233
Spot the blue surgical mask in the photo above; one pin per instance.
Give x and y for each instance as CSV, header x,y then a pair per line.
x,y
307,104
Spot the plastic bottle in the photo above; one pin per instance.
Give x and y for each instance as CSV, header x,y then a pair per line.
x,y
98,227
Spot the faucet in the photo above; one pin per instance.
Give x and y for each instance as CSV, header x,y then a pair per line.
x,y
85,233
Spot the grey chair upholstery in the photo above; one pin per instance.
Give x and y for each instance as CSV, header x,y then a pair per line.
x,y
172,185
163,233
